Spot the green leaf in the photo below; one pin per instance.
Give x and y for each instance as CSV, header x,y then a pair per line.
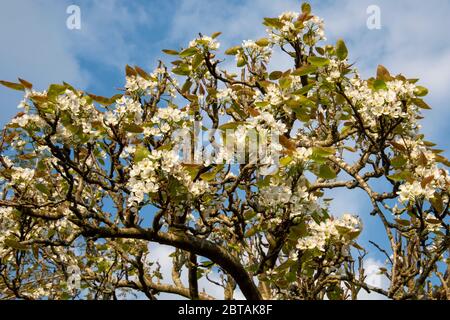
x,y
306,8
421,91
326,172
102,100
285,82
379,85
285,161
263,42
208,176
421,104
304,101
232,51
320,154
197,61
249,214
238,110
303,90
403,222
186,86
262,104
341,50
133,128
324,151
56,90
303,116
182,70
15,244
188,52
383,74
12,85
298,231
294,104
437,203
26,84
357,246
42,188
352,235
305,70
141,153
398,146
129,71
142,73
207,264
264,182
398,162
273,22
318,61
231,125
400,176
275,75
334,293
171,52
241,62
216,34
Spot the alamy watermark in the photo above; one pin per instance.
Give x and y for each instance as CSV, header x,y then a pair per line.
x,y
374,19
73,22
74,279
239,145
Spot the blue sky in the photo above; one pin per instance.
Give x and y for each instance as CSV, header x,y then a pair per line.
x,y
37,46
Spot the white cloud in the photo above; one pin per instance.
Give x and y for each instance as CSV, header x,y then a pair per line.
x,y
38,46
374,279
107,29
160,253
35,47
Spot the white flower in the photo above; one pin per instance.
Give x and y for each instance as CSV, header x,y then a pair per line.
x,y
329,231
412,191
302,154
22,121
314,27
393,101
22,175
273,196
256,52
136,82
265,120
206,42
226,95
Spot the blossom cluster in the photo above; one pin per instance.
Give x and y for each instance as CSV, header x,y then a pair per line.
x,y
330,231
147,174
22,175
278,197
333,71
254,52
26,119
205,42
226,95
264,122
302,154
392,101
292,28
7,227
276,96
427,177
164,120
138,83
126,110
